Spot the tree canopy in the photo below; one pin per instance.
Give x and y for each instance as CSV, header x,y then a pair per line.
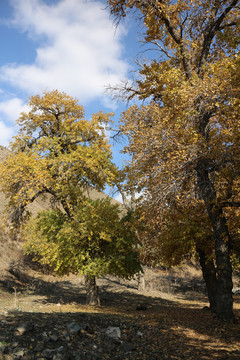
x,y
185,141
96,241
59,153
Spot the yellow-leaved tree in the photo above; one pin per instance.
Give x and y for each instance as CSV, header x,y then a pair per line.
x,y
185,140
59,153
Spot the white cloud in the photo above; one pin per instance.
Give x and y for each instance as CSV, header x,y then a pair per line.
x,y
79,49
9,113
11,109
6,133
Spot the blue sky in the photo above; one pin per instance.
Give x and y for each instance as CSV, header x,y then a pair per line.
x,y
69,45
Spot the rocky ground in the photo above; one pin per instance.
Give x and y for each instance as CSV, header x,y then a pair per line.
x,y
42,317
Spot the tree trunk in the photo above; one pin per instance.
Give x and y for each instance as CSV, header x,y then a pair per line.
x,y
224,300
141,282
92,297
210,278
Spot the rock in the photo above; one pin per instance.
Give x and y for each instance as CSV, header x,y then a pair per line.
x,y
113,332
49,353
139,334
73,328
61,349
39,347
45,337
54,337
26,327
19,352
58,357
66,336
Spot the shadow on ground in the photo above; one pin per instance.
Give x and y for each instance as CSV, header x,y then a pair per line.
x,y
151,327
142,337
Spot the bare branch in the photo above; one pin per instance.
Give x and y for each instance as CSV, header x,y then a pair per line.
x,y
211,30
222,27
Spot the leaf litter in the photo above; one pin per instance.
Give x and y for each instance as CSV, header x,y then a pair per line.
x,y
52,322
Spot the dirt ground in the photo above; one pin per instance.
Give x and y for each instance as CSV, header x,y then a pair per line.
x,y
44,317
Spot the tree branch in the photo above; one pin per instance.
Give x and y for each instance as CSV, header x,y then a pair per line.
x,y
211,29
230,204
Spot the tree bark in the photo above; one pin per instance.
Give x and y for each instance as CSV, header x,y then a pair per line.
x,y
92,296
210,278
224,300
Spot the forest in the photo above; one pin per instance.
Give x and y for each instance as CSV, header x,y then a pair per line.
x,y
180,184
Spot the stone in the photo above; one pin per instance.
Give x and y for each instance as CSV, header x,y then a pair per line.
x,y
113,332
66,336
61,349
39,347
25,327
45,335
54,337
58,357
48,353
19,352
73,328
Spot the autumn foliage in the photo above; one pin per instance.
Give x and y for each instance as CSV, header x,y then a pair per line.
x,y
184,141
59,153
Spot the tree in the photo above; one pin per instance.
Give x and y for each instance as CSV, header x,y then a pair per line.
x,y
185,141
96,241
60,154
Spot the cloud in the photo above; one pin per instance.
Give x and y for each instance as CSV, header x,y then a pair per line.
x,y
78,48
9,113
11,109
6,133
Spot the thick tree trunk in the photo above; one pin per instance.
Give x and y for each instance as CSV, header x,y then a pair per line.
x,y
210,278
92,297
224,300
